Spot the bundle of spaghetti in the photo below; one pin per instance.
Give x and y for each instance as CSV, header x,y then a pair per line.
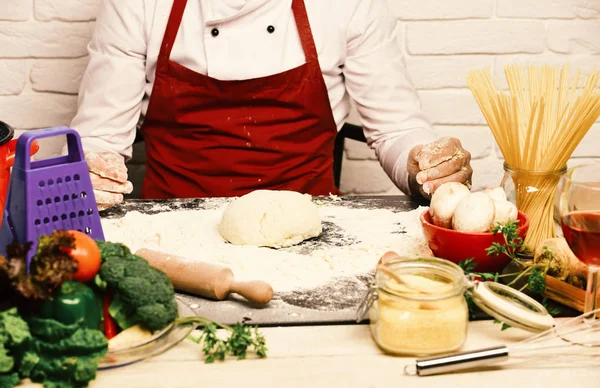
x,y
537,123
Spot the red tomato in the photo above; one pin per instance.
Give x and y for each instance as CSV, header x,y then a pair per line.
x,y
87,255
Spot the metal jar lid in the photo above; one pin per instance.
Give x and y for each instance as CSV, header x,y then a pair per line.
x,y
510,306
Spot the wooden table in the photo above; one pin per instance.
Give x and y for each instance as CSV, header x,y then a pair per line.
x,y
337,356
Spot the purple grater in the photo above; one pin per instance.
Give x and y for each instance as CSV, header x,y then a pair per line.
x,y
49,194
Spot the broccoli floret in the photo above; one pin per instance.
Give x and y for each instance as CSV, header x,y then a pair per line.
x,y
157,315
121,268
142,294
154,309
139,292
114,272
109,250
136,265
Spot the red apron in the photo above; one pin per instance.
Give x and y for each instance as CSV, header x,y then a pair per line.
x,y
211,138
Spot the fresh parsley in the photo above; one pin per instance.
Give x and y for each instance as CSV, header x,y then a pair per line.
x,y
532,275
554,311
513,244
240,339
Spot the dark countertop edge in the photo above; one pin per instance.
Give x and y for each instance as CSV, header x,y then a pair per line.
x,y
145,205
419,201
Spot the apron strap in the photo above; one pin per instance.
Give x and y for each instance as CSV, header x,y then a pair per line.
x,y
171,32
304,30
176,15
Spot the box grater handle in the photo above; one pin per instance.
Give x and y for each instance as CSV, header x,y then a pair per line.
x,y
26,140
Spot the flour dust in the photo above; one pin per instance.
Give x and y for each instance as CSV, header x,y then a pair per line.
x,y
352,242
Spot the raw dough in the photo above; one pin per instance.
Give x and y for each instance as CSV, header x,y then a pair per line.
x,y
270,218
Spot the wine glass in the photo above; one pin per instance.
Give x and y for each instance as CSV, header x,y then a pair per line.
x,y
579,205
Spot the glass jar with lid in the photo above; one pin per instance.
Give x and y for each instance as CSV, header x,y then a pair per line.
x,y
417,307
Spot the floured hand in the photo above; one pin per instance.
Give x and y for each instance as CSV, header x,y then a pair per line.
x,y
108,174
105,184
107,165
106,200
431,165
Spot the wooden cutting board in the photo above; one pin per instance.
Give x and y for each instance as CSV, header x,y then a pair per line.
x,y
305,307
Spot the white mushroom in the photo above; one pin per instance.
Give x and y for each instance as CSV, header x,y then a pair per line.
x,y
497,193
505,211
444,201
474,214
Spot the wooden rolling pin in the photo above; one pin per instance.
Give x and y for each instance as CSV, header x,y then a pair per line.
x,y
205,279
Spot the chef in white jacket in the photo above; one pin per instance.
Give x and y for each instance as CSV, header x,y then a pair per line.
x,y
238,95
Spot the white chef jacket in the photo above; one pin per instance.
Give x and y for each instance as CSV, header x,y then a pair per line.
x,y
357,43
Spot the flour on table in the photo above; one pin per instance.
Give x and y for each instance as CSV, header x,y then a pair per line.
x,y
352,242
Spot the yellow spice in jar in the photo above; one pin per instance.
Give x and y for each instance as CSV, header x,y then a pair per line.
x,y
419,327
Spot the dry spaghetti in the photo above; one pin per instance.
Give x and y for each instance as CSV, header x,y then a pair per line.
x,y
537,124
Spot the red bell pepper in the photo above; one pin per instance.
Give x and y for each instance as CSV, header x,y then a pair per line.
x,y
110,327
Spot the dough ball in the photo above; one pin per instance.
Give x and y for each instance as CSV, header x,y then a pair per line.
x,y
270,218
474,214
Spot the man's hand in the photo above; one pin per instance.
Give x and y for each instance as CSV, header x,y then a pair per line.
x,y
109,178
431,165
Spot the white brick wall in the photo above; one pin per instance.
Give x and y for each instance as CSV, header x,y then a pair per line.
x,y
43,55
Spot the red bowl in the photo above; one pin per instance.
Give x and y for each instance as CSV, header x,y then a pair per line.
x,y
456,246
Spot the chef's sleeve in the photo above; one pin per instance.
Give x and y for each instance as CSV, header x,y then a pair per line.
x,y
113,85
376,79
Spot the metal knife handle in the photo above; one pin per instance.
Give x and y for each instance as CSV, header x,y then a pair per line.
x,y
460,361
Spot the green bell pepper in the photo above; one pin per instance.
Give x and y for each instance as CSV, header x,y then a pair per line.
x,y
73,302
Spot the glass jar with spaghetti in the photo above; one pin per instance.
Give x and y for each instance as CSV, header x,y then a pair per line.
x,y
538,119
534,192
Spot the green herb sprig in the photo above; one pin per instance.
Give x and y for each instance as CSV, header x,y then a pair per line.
x,y
504,325
533,274
240,338
518,252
